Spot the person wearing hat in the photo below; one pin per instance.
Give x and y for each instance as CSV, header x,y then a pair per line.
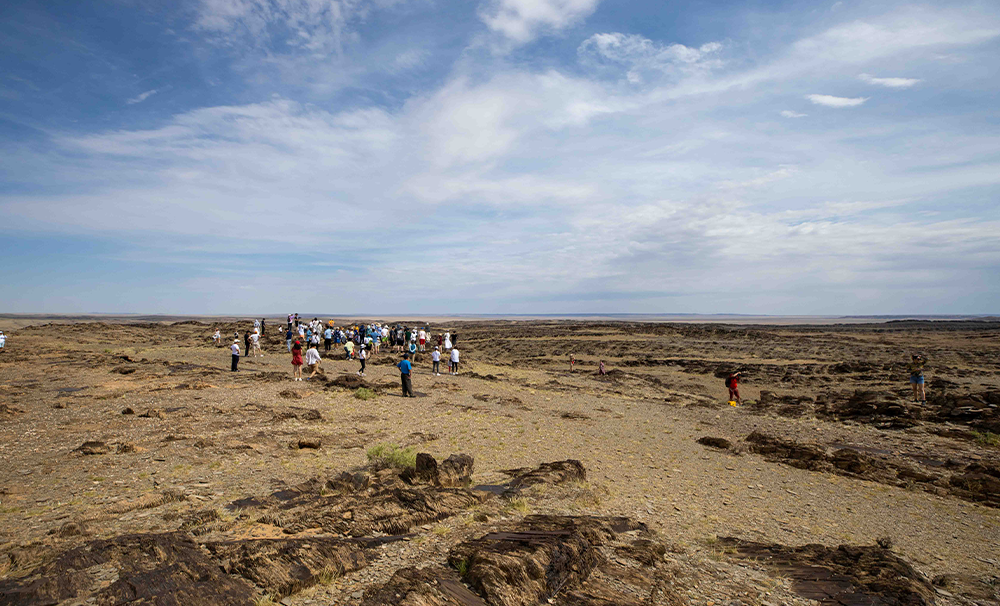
x,y
436,359
404,375
235,349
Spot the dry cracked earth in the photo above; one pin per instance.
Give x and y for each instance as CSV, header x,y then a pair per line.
x,y
136,469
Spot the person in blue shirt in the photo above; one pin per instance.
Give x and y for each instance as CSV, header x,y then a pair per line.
x,y
327,339
404,375
288,340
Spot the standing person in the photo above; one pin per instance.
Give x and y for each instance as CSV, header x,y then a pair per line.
x,y
436,359
447,341
327,338
733,383
440,341
916,368
289,321
235,349
297,361
256,325
3,340
601,370
262,327
246,344
454,339
255,342
288,338
217,338
572,362
362,356
404,375
312,360
454,360
422,335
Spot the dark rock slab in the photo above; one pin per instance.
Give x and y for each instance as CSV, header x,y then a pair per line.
x,y
845,575
145,569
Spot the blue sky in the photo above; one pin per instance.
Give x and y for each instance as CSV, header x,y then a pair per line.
x,y
500,156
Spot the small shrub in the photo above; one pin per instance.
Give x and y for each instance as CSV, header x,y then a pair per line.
x,y
384,456
462,566
364,393
328,575
987,438
519,504
441,530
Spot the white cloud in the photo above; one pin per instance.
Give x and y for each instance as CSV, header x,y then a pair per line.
x,y
642,55
831,101
890,82
142,97
521,21
313,26
790,114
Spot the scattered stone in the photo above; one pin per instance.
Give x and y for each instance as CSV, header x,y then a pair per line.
x,y
557,472
93,447
152,413
128,411
313,443
720,443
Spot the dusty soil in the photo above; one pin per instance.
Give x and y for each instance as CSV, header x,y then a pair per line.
x,y
136,467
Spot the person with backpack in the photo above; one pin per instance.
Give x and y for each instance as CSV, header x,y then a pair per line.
x,y
732,382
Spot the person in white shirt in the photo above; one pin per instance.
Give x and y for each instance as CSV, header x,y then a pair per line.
x,y
454,361
217,338
312,360
436,359
235,349
255,343
422,335
447,340
362,356
3,340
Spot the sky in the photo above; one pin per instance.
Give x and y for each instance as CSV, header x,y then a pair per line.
x,y
499,157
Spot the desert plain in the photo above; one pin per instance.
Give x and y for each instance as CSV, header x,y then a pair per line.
x,y
137,469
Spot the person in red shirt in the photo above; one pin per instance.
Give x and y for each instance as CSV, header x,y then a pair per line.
x,y
734,388
297,361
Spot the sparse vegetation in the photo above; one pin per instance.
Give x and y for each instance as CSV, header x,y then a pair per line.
x,y
462,566
385,456
519,504
364,393
328,575
265,600
986,438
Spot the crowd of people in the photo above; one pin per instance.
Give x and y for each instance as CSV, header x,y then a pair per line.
x,y
360,342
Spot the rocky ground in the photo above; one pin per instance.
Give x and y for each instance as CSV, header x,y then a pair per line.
x,y
138,469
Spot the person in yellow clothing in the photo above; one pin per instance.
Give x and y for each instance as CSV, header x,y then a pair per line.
x,y
916,368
